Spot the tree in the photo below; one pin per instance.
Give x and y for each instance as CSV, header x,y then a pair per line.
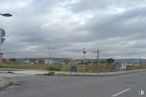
x,y
110,60
66,61
12,59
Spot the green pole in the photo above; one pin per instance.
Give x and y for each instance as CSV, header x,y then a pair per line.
x,y
98,60
84,63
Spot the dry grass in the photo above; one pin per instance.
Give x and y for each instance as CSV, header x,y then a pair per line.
x,y
136,67
60,67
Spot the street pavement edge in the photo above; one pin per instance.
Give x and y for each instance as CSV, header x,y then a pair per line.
x,y
4,83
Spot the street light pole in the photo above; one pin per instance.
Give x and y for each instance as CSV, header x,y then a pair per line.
x,y
2,34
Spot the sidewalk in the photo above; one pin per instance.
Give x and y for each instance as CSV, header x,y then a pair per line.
x,y
62,73
4,83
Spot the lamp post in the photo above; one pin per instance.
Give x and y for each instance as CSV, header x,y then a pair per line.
x,y
2,34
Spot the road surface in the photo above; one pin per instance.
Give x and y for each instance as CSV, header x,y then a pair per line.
x,y
77,86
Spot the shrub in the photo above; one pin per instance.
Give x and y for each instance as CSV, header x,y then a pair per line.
x,y
53,68
50,73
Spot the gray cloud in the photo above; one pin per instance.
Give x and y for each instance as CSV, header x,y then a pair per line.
x,y
116,27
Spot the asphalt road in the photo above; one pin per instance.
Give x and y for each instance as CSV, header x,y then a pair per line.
x,y
77,86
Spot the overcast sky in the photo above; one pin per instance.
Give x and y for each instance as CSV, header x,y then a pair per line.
x,y
65,27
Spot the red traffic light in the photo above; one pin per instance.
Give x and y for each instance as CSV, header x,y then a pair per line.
x,y
84,51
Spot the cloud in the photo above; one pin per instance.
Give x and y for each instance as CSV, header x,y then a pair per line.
x,y
116,27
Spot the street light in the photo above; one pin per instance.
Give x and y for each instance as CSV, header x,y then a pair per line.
x,y
6,15
2,34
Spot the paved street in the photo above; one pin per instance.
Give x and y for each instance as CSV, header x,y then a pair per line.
x,y
77,86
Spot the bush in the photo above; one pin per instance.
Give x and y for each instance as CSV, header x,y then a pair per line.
x,y
53,68
50,73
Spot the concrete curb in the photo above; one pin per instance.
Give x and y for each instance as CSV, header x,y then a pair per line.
x,y
6,83
62,73
100,74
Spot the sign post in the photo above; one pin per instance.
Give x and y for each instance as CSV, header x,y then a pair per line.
x,y
84,60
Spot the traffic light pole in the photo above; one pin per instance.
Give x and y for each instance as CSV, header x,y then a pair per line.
x,y
98,61
84,63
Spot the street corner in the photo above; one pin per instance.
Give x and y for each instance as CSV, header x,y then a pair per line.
x,y
4,83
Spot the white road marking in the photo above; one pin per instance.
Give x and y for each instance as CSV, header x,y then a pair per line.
x,y
119,93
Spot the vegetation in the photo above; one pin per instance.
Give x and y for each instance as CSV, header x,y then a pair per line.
x,y
110,60
136,67
66,61
12,60
50,73
62,67
53,68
